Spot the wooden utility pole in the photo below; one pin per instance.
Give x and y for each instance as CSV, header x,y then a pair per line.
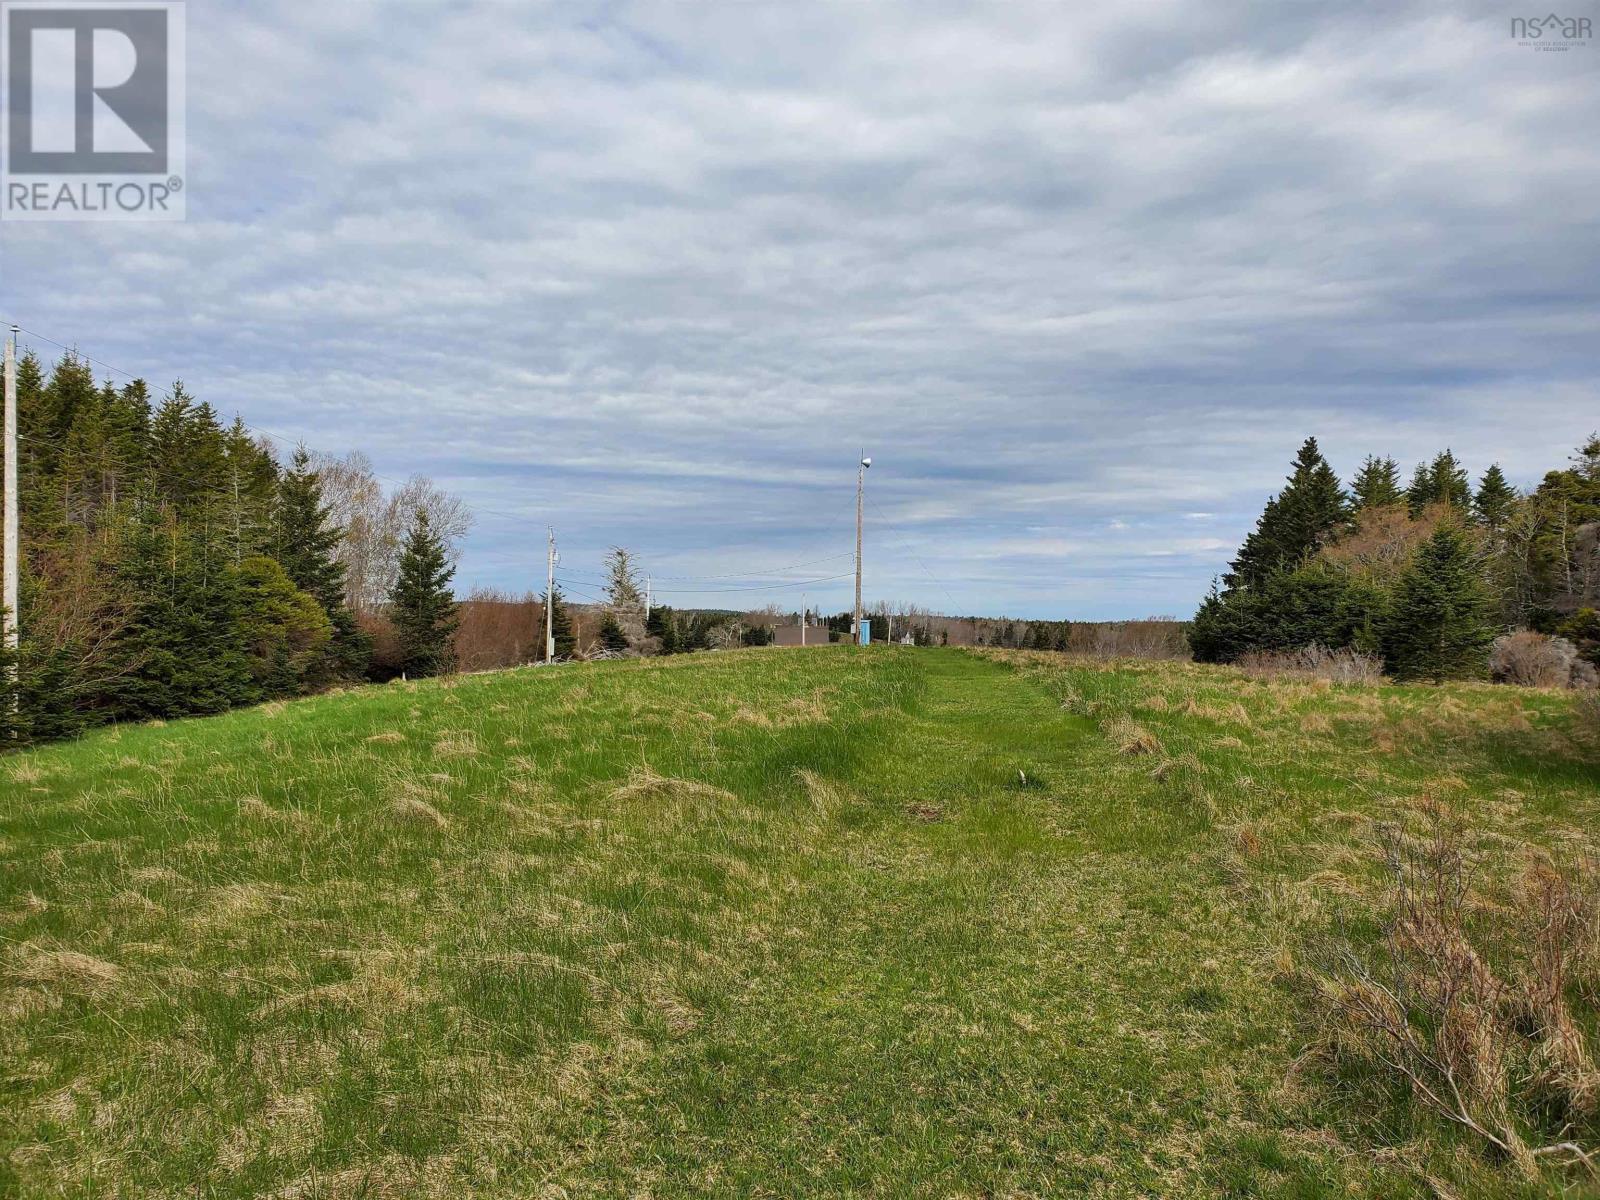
x,y
8,598
861,479
550,598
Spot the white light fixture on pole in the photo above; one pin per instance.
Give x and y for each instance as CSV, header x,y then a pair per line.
x,y
861,479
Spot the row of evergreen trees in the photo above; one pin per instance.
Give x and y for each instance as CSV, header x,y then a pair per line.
x,y
1425,575
173,565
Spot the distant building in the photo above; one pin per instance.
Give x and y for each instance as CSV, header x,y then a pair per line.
x,y
789,635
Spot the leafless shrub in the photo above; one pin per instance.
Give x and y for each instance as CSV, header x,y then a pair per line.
x,y
386,657
1153,637
1531,659
498,630
1346,665
1492,1048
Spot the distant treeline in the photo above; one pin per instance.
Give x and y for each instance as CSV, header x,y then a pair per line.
x,y
1425,574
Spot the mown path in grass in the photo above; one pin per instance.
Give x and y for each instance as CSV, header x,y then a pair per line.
x,y
821,923
995,975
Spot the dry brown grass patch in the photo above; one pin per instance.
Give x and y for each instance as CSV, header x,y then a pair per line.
x,y
65,971
801,710
27,773
1315,723
1177,767
458,743
1129,737
643,783
410,808
826,796
387,737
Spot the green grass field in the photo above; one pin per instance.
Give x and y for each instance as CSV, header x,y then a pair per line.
x,y
767,923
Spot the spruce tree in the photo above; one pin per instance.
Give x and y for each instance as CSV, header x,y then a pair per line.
x,y
1377,484
1297,522
561,625
304,535
664,625
1419,492
1438,623
1450,482
421,605
1442,481
623,594
1492,505
284,631
1586,462
611,635
182,641
304,538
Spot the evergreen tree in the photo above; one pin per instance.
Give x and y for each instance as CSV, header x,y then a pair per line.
x,y
1450,482
251,486
623,593
561,625
611,635
1309,511
1419,492
656,625
284,631
1586,462
304,540
1443,481
181,647
664,625
1492,505
304,536
1377,484
1438,621
421,604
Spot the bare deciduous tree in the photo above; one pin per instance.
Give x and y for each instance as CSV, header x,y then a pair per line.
x,y
375,523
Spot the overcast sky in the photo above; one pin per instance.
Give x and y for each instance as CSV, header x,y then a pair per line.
x,y
1079,281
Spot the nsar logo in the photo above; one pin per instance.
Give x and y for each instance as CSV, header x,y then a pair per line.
x,y
1551,32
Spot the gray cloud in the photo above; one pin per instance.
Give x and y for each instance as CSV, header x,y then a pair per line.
x,y
652,273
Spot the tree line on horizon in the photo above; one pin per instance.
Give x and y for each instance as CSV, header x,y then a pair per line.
x,y
173,565
1425,574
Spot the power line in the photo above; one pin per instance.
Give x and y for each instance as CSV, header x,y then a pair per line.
x,y
905,546
767,587
768,573
572,587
